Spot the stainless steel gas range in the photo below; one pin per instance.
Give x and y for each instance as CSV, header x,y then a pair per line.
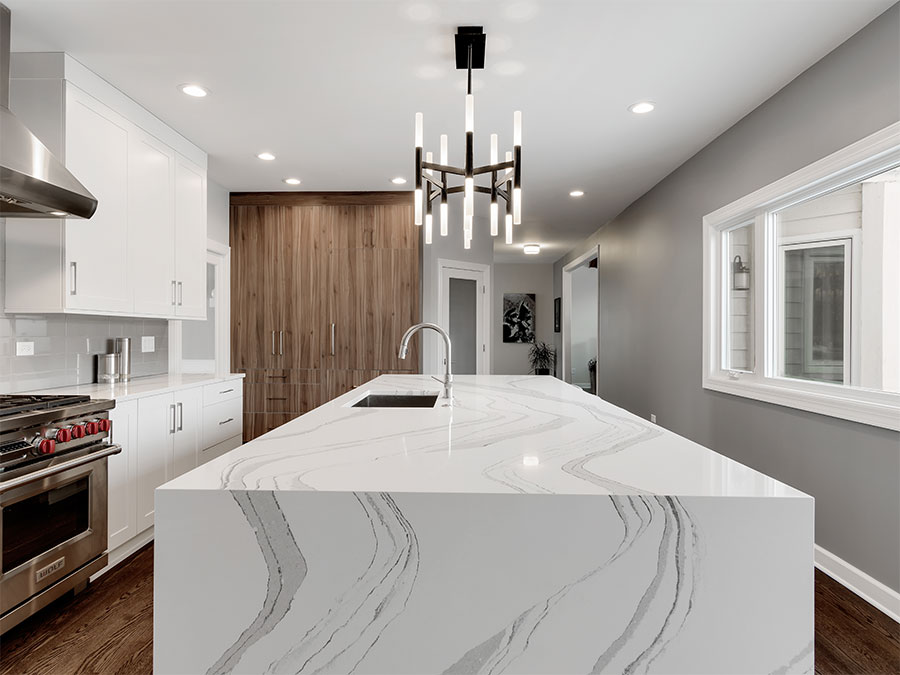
x,y
53,494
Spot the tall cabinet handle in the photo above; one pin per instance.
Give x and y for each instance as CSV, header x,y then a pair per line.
x,y
174,285
273,343
281,342
73,266
332,339
180,293
180,416
172,413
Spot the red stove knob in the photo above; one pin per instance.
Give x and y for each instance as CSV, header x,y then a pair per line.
x,y
63,435
105,425
77,430
45,446
92,428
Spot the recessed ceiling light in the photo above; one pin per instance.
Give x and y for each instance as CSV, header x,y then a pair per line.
x,y
194,90
576,193
58,213
399,180
292,181
531,249
268,156
641,107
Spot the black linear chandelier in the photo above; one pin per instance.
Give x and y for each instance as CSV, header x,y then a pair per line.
x,y
432,179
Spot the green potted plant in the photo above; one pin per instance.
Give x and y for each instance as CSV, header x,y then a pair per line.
x,y
592,370
542,357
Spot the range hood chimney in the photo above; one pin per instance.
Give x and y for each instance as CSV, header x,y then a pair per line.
x,y
33,183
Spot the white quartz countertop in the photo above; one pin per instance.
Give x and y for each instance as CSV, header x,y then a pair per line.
x,y
142,386
503,434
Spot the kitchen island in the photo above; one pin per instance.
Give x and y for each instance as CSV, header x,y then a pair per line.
x,y
528,528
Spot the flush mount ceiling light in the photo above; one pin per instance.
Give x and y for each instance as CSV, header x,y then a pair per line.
x,y
292,181
432,179
194,90
576,193
399,180
641,107
531,249
267,156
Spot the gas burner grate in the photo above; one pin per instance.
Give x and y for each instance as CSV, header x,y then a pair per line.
x,y
15,404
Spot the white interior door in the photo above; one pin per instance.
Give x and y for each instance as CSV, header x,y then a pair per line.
x,y
464,306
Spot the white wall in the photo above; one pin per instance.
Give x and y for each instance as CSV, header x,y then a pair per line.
x,y
450,248
512,358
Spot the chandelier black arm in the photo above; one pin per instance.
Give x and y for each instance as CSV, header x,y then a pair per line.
x,y
489,168
443,168
502,178
431,179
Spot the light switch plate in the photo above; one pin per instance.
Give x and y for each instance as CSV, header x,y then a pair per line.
x,y
148,343
653,418
24,349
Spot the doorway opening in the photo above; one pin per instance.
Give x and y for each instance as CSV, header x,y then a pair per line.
x,y
580,321
463,291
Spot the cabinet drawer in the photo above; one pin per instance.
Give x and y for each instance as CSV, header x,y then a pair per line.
x,y
222,391
282,375
219,449
221,421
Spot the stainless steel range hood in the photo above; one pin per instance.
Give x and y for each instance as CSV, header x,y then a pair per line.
x,y
33,183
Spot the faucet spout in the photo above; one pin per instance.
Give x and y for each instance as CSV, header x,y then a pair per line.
x,y
404,350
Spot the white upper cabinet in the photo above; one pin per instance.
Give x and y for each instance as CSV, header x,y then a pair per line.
x,y
190,239
97,153
143,252
151,224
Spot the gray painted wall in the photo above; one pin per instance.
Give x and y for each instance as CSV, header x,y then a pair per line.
x,y
650,297
217,212
511,358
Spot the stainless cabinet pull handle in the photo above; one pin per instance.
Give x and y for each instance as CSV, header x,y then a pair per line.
x,y
172,411
332,339
180,294
230,419
74,268
226,391
273,343
174,285
281,342
180,416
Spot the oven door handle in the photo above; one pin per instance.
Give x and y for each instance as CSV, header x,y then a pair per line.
x,y
59,468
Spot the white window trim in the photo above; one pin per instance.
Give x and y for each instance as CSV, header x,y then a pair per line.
x,y
869,156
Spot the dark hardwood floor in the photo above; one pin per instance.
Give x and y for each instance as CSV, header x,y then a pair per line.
x,y
109,629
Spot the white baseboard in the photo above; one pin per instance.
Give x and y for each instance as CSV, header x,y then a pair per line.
x,y
871,590
126,550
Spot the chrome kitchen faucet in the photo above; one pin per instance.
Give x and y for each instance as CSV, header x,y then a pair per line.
x,y
404,348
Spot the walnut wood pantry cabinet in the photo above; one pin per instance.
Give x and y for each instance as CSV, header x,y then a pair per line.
x,y
323,285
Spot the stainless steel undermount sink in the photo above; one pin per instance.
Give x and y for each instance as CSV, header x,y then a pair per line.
x,y
400,399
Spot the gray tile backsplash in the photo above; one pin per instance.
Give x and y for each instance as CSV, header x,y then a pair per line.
x,y
65,345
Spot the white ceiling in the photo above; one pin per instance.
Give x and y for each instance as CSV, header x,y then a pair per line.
x,y
331,87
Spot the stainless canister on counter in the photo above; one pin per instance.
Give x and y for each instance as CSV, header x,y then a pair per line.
x,y
107,368
122,347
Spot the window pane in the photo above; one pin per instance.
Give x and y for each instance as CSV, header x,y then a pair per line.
x,y
814,318
841,285
739,301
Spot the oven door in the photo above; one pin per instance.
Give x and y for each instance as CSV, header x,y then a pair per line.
x,y
51,526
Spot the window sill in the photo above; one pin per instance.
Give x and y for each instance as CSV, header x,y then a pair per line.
x,y
878,409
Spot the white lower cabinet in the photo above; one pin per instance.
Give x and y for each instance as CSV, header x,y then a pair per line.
x,y
188,422
156,430
122,470
162,437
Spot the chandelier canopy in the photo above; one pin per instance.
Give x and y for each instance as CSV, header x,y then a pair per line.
x,y
433,179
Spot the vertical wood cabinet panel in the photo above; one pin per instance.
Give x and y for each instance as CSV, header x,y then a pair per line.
x,y
297,271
